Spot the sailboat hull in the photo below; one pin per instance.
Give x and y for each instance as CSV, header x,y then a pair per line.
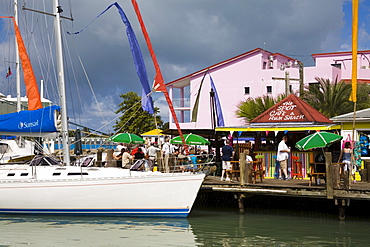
x,y
165,195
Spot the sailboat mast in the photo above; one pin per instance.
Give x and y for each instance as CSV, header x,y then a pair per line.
x,y
60,73
17,70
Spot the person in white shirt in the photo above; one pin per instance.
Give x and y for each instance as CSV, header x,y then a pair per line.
x,y
166,149
282,156
120,146
248,158
152,153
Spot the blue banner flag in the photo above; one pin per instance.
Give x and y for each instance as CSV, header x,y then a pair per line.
x,y
220,117
146,100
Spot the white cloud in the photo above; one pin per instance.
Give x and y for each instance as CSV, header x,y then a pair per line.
x,y
161,103
97,114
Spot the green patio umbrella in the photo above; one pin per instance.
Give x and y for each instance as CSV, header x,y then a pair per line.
x,y
127,138
317,140
190,139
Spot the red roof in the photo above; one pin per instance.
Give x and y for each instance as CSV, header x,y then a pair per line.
x,y
291,109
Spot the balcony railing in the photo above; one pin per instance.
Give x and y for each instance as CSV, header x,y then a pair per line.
x,y
181,102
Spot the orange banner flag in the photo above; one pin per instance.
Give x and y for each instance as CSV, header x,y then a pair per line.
x,y
32,90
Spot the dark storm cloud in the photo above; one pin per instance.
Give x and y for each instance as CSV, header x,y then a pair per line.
x,y
189,35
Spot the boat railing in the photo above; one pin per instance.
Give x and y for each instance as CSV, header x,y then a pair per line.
x,y
185,163
170,163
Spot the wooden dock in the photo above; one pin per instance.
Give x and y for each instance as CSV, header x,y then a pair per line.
x,y
293,187
290,188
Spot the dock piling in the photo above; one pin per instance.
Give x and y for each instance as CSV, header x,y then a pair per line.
x,y
329,176
342,203
242,167
240,197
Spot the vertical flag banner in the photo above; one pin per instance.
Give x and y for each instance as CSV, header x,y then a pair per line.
x,y
146,100
353,96
220,117
158,79
8,72
194,113
32,90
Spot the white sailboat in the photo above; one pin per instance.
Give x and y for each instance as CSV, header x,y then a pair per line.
x,y
48,187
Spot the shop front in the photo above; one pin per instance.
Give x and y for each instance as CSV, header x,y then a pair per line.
x,y
291,117
359,135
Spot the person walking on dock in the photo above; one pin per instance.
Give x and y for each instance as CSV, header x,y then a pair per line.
x,y
227,154
282,157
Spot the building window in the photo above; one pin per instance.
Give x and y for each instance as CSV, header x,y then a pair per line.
x,y
313,85
290,88
246,90
269,89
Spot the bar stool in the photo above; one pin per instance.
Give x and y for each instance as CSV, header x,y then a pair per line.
x,y
258,168
296,168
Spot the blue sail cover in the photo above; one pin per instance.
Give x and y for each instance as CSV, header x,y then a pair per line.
x,y
30,123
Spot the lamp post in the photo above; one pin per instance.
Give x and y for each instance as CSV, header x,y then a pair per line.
x,y
287,79
301,82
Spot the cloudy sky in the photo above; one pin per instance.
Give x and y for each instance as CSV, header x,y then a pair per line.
x,y
187,35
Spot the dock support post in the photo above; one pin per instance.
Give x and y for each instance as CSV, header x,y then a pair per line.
x,y
242,168
240,202
346,180
342,203
329,176
248,172
336,176
99,157
159,159
110,161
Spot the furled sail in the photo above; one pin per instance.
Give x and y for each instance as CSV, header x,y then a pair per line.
x,y
32,91
38,123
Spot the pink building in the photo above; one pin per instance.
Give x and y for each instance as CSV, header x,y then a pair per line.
x,y
252,74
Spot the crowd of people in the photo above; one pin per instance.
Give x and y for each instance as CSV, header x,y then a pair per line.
x,y
168,153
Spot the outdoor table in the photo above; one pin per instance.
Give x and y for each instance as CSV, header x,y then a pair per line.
x,y
317,170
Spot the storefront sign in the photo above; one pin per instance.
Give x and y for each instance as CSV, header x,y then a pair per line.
x,y
291,109
286,112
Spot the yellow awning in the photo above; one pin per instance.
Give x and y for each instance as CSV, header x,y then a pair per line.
x,y
280,128
154,132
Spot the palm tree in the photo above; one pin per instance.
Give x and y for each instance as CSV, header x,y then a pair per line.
x,y
363,99
332,98
253,107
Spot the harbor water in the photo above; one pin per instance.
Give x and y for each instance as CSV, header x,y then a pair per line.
x,y
204,227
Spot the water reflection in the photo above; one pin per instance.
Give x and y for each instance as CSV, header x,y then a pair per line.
x,y
89,231
204,227
225,228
